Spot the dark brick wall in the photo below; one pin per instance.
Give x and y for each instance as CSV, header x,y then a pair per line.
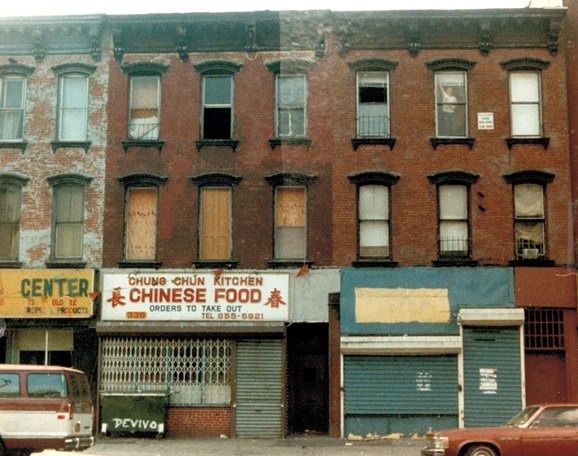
x,y
199,421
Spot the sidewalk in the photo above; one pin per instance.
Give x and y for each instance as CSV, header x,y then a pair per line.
x,y
291,446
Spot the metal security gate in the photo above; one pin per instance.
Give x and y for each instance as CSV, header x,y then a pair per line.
x,y
400,394
259,408
492,375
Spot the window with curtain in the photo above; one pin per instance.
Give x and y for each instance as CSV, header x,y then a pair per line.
x,y
290,223
529,221
144,112
525,103
372,104
291,105
141,223
451,104
215,223
12,96
10,203
73,107
68,221
454,236
217,106
374,221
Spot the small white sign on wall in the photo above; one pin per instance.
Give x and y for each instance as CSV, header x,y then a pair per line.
x,y
485,120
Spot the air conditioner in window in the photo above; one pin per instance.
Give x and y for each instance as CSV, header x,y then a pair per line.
x,y
530,254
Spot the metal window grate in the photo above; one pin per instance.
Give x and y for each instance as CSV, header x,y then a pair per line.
x,y
194,371
544,329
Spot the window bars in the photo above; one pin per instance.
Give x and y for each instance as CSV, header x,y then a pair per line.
x,y
192,371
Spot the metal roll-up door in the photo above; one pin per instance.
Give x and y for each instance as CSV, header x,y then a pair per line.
x,y
492,375
400,394
259,395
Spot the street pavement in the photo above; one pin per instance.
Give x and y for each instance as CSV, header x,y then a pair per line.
x,y
291,446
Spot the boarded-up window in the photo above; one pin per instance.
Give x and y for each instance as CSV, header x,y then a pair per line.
x,y
215,224
144,107
373,221
68,221
9,222
290,223
141,229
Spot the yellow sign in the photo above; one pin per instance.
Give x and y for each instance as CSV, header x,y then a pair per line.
x,y
401,305
46,293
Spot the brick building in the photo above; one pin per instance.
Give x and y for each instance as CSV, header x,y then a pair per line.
x,y
320,221
53,131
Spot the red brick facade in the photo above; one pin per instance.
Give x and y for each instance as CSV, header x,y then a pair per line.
x,y
199,421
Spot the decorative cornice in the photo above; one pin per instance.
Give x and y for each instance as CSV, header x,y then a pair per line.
x,y
373,177
218,67
205,179
142,179
16,68
290,178
453,177
372,64
13,179
530,177
525,63
62,179
75,67
291,65
452,63
152,68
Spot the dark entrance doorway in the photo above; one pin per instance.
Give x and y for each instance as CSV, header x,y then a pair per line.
x,y
308,387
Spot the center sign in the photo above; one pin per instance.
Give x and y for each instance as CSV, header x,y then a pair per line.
x,y
195,297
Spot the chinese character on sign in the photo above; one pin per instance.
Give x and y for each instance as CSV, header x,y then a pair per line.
x,y
275,299
117,298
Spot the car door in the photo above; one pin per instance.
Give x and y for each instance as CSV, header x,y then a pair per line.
x,y
553,433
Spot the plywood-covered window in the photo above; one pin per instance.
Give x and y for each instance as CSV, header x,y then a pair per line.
x,y
141,223
68,221
290,223
215,226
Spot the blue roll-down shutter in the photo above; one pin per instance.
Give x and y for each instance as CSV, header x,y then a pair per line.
x,y
399,394
492,375
259,411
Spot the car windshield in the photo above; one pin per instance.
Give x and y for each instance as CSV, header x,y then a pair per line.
x,y
522,418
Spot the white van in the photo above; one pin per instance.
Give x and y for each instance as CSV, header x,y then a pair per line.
x,y
44,407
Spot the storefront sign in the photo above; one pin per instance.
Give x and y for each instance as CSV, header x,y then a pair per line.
x,y
196,297
46,293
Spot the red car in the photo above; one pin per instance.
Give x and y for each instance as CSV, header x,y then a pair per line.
x,y
538,430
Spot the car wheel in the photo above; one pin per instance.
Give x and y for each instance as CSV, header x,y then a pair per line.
x,y
481,450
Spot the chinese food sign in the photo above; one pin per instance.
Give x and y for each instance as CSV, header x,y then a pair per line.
x,y
46,293
196,297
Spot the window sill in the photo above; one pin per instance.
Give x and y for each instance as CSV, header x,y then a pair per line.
x,y
145,264
156,143
374,263
356,142
70,145
539,262
544,142
435,142
274,142
10,264
232,143
212,264
66,264
14,145
442,262
281,264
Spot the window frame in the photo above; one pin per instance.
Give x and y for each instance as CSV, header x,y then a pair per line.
x,y
63,110
203,238
17,71
440,105
140,181
215,181
21,110
206,107
540,179
454,178
300,107
386,103
13,183
361,222
276,227
147,136
538,103
58,184
128,255
445,219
